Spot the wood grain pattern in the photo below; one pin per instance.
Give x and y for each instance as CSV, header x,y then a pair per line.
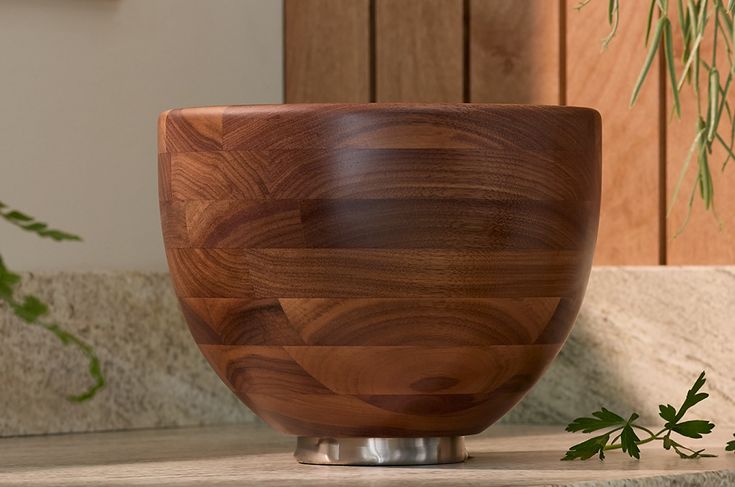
x,y
379,174
378,224
515,51
419,322
360,273
630,193
418,50
380,270
327,51
705,240
515,128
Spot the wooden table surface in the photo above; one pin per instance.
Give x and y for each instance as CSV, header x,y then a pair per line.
x,y
254,455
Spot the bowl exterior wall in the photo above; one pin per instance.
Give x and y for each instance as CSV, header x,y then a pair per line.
x,y
379,270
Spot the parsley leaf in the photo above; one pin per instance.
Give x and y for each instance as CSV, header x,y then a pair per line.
x,y
629,440
589,448
693,397
692,429
601,419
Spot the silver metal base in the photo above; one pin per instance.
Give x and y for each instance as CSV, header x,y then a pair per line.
x,y
380,451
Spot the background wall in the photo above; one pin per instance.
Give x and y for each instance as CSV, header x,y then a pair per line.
x,y
81,85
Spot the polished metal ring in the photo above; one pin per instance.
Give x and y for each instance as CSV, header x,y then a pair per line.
x,y
380,451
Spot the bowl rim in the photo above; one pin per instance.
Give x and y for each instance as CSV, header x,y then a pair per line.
x,y
389,107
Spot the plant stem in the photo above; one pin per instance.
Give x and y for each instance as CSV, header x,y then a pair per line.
x,y
652,436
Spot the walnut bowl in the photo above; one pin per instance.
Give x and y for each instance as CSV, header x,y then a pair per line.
x,y
380,279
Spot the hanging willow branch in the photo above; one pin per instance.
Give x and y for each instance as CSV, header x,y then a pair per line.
x,y
697,20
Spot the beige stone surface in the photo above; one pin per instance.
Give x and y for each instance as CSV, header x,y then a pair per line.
x,y
155,374
253,455
642,337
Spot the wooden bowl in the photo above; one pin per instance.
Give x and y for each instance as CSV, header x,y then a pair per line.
x,y
382,270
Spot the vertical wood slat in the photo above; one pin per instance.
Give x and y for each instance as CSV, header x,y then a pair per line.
x,y
702,241
419,50
515,51
327,51
629,220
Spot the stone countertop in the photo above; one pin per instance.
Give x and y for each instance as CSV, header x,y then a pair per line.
x,y
251,454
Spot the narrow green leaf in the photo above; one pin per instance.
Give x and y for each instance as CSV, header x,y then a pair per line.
x,y
714,107
669,55
649,20
17,216
688,64
683,23
660,26
685,167
30,224
705,179
730,445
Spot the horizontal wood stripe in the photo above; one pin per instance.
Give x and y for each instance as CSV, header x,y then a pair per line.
x,y
387,126
427,322
383,173
378,370
420,370
438,224
376,416
336,273
212,274
261,370
374,322
230,321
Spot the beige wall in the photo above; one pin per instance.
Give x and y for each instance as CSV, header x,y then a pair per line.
x,y
81,84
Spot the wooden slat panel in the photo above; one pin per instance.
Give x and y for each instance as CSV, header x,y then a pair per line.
x,y
327,45
514,51
419,48
629,222
702,241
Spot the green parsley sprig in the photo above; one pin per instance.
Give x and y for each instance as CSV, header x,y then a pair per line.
x,y
624,436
